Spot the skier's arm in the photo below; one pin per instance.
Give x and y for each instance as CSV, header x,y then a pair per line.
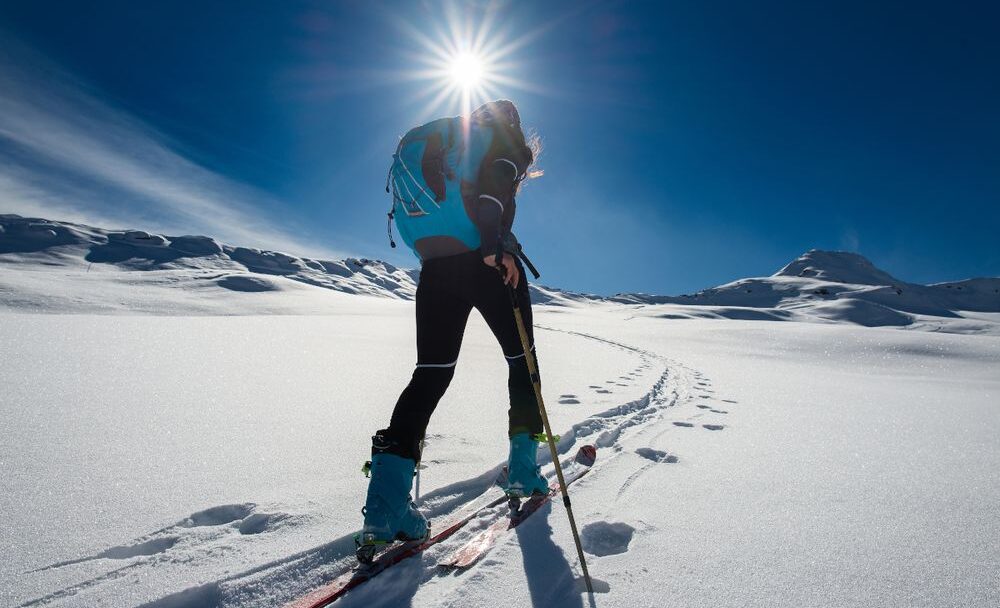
x,y
495,202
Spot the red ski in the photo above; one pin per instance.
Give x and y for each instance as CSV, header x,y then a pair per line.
x,y
469,553
329,593
338,587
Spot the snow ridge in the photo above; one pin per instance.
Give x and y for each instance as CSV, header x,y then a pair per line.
x,y
72,268
105,271
196,266
838,287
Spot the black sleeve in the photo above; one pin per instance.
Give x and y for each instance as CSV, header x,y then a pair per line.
x,y
494,205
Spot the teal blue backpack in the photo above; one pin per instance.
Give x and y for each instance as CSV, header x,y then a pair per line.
x,y
426,180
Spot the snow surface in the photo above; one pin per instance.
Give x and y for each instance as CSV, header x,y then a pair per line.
x,y
170,442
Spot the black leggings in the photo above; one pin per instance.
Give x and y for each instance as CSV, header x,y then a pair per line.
x,y
449,288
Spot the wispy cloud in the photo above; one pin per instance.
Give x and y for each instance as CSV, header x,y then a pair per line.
x,y
20,193
64,148
849,240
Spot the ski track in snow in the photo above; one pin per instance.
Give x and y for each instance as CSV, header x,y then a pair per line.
x,y
205,533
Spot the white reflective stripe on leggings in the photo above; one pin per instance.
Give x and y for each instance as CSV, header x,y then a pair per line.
x,y
452,364
519,356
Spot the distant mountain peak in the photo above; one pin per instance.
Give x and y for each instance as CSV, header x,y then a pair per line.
x,y
837,267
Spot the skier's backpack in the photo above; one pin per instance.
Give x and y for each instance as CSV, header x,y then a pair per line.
x,y
433,164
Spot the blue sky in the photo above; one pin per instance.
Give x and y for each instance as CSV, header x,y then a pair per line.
x,y
686,143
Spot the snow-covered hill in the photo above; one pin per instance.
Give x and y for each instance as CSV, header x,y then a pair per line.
x,y
837,286
64,267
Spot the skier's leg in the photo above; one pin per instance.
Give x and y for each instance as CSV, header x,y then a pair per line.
x,y
525,421
389,511
441,319
493,303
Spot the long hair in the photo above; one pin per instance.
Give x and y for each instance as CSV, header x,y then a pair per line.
x,y
504,117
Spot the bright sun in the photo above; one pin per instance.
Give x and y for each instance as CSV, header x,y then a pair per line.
x,y
466,71
466,62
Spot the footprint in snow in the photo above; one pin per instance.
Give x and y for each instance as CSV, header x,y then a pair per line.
x,y
704,407
606,538
713,427
728,401
719,411
217,516
568,400
684,424
603,391
242,516
261,522
656,455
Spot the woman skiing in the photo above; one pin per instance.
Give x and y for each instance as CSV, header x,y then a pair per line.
x,y
459,256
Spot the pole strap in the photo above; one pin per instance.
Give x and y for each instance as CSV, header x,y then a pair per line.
x,y
527,262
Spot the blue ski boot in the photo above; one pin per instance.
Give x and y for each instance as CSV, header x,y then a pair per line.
x,y
389,511
523,478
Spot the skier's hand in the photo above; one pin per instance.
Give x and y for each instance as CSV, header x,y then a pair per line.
x,y
511,275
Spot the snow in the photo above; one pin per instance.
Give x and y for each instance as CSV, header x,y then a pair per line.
x,y
182,425
837,267
603,538
110,271
135,271
840,287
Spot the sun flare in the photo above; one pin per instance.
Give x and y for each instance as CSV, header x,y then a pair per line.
x,y
466,70
464,62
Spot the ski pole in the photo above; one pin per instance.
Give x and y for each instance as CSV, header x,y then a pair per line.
x,y
536,382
